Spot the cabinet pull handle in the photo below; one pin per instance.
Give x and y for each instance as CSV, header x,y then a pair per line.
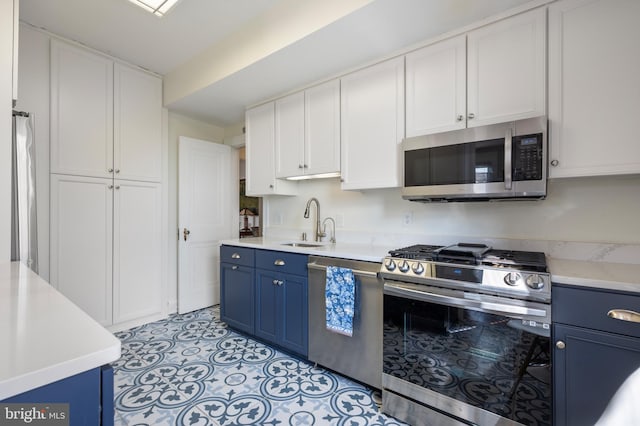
x,y
554,163
110,171
460,118
624,315
299,166
110,187
560,344
471,116
275,282
185,233
234,267
117,170
279,262
280,282
235,256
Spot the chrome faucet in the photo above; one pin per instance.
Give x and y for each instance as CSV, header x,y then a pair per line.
x,y
333,228
316,230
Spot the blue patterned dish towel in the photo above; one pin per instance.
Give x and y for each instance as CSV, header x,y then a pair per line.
x,y
340,300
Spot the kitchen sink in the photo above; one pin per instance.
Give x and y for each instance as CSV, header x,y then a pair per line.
x,y
302,244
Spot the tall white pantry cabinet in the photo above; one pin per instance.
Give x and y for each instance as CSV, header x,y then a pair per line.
x,y
106,186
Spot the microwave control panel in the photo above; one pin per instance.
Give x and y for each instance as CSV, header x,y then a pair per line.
x,y
527,157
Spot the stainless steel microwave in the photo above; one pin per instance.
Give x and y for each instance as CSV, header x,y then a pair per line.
x,y
497,162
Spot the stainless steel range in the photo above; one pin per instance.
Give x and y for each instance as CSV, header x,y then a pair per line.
x,y
466,336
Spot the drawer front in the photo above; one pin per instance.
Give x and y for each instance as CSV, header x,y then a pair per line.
x,y
279,261
588,308
237,255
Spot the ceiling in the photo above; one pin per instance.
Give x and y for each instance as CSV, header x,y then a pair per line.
x,y
164,45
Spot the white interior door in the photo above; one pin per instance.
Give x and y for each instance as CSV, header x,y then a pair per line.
x,y
207,213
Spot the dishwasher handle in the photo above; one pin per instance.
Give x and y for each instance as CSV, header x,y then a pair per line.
x,y
355,271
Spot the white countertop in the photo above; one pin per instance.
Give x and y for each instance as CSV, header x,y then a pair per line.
x,y
44,336
603,275
364,252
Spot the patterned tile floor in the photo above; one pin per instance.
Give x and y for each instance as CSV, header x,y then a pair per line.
x,y
191,370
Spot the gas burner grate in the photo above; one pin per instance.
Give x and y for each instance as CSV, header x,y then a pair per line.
x,y
417,252
523,260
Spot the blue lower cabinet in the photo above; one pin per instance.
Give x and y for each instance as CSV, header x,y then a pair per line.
x,y
593,353
237,296
281,300
89,395
264,293
281,310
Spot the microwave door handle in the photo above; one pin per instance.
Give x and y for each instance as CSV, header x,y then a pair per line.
x,y
508,146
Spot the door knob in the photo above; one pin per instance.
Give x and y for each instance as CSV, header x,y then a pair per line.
x,y
185,233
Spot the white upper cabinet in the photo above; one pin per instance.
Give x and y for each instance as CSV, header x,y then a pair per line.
x,y
436,87
81,112
260,154
106,118
372,126
491,75
307,126
289,138
506,69
594,89
322,128
137,135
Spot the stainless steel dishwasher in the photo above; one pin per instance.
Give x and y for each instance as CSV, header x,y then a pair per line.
x,y
358,356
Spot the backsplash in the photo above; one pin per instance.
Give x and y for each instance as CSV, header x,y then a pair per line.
x,y
583,219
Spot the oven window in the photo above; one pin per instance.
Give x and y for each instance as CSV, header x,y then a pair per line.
x,y
472,162
488,361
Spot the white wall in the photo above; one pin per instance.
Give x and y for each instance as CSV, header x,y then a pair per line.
x,y
603,209
180,125
6,61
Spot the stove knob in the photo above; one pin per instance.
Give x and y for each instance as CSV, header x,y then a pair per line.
x,y
512,278
404,266
535,281
390,265
417,268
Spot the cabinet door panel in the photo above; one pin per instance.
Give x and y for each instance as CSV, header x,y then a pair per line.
x,y
436,88
137,255
268,311
506,77
322,128
81,111
372,126
81,243
593,87
260,151
295,314
137,125
589,371
237,296
289,139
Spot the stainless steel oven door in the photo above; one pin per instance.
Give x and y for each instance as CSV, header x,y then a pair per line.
x,y
478,358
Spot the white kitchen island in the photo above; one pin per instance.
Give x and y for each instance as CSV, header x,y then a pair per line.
x,y
47,340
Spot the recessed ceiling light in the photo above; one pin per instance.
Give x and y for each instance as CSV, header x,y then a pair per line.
x,y
157,7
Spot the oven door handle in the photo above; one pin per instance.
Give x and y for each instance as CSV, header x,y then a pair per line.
x,y
461,302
